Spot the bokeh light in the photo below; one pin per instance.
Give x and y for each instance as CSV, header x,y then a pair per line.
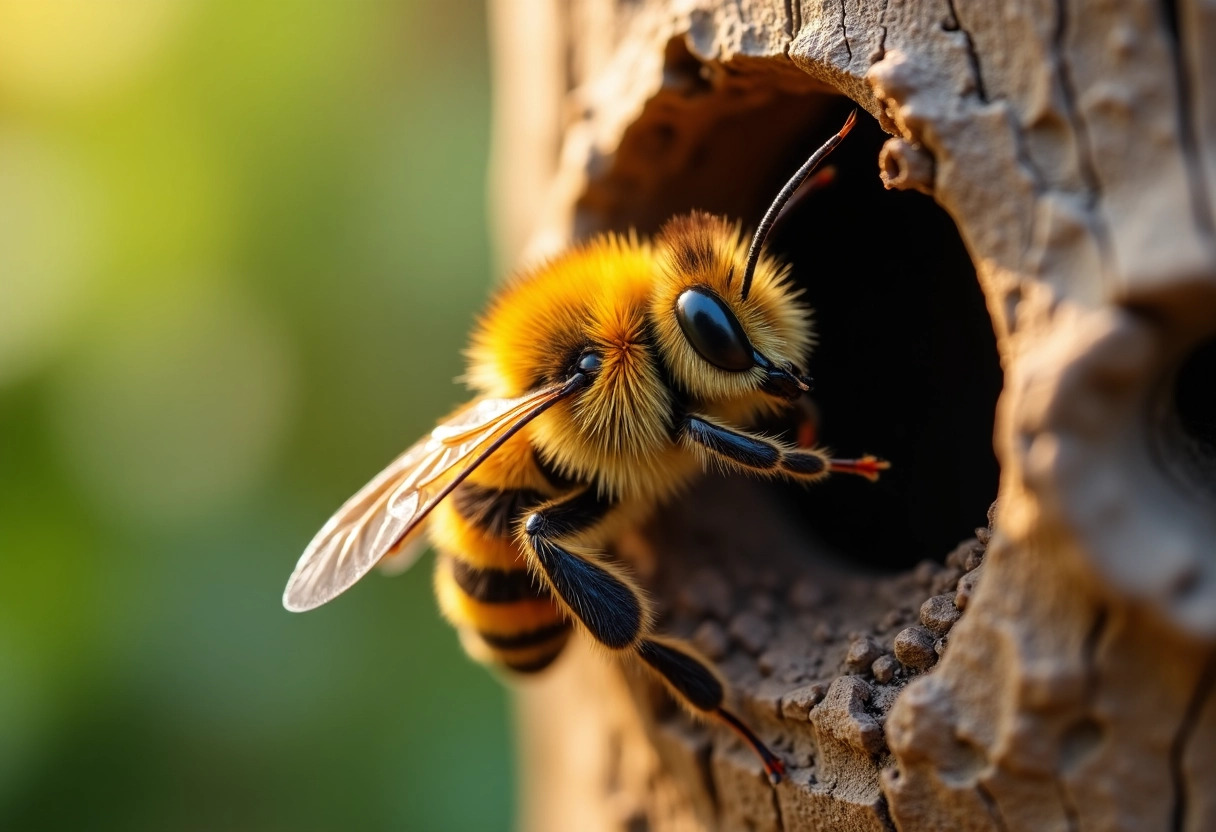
x,y
49,229
241,244
174,407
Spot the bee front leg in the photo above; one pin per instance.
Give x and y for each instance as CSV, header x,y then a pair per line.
x,y
599,594
752,453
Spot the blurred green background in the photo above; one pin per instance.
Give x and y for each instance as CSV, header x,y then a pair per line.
x,y
241,244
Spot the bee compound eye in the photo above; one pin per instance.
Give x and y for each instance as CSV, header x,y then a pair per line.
x,y
589,363
714,331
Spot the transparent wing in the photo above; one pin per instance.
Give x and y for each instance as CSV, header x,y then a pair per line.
x,y
402,556
385,516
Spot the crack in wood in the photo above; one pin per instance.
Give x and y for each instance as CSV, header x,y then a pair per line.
x,y
881,51
844,31
793,18
1071,820
956,25
994,811
1085,160
1203,693
1089,661
1024,160
1201,206
777,811
883,811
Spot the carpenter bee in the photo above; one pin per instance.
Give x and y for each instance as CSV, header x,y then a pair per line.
x,y
607,379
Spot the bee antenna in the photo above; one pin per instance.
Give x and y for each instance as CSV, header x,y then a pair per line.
x,y
770,216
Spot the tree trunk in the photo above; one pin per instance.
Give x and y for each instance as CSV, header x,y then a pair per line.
x,y
1068,152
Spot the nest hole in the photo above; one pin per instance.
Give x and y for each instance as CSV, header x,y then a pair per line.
x,y
906,366
1195,410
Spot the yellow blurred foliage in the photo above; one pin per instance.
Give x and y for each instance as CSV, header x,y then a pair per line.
x,y
75,51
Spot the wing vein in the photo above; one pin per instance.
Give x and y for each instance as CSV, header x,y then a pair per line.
x,y
383,514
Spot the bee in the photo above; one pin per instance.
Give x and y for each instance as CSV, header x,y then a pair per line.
x,y
607,380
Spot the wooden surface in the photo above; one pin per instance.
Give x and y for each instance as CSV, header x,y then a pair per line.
x,y
1072,144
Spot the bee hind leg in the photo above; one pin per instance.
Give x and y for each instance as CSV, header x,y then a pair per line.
x,y
598,594
692,680
612,608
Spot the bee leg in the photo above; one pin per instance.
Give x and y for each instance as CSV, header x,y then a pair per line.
x,y
614,611
692,680
600,595
867,466
749,452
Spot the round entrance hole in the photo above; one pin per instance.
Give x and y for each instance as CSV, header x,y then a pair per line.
x,y
1195,411
906,366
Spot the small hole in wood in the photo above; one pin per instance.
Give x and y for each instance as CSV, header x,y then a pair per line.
x,y
1195,410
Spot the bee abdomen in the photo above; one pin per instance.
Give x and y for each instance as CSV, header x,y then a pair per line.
x,y
526,639
494,511
525,651
504,616
494,586
529,651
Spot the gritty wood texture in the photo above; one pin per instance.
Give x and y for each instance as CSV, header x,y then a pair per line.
x,y
1074,145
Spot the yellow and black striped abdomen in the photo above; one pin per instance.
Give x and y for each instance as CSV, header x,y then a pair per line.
x,y
503,614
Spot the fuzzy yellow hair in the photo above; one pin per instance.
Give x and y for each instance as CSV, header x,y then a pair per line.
x,y
702,250
616,296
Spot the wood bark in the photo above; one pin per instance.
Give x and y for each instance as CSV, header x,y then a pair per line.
x,y
1073,144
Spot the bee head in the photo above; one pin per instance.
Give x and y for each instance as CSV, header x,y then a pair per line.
x,y
719,344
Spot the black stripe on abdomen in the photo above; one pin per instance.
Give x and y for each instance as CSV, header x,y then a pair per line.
x,y
526,639
552,475
495,586
494,511
535,665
